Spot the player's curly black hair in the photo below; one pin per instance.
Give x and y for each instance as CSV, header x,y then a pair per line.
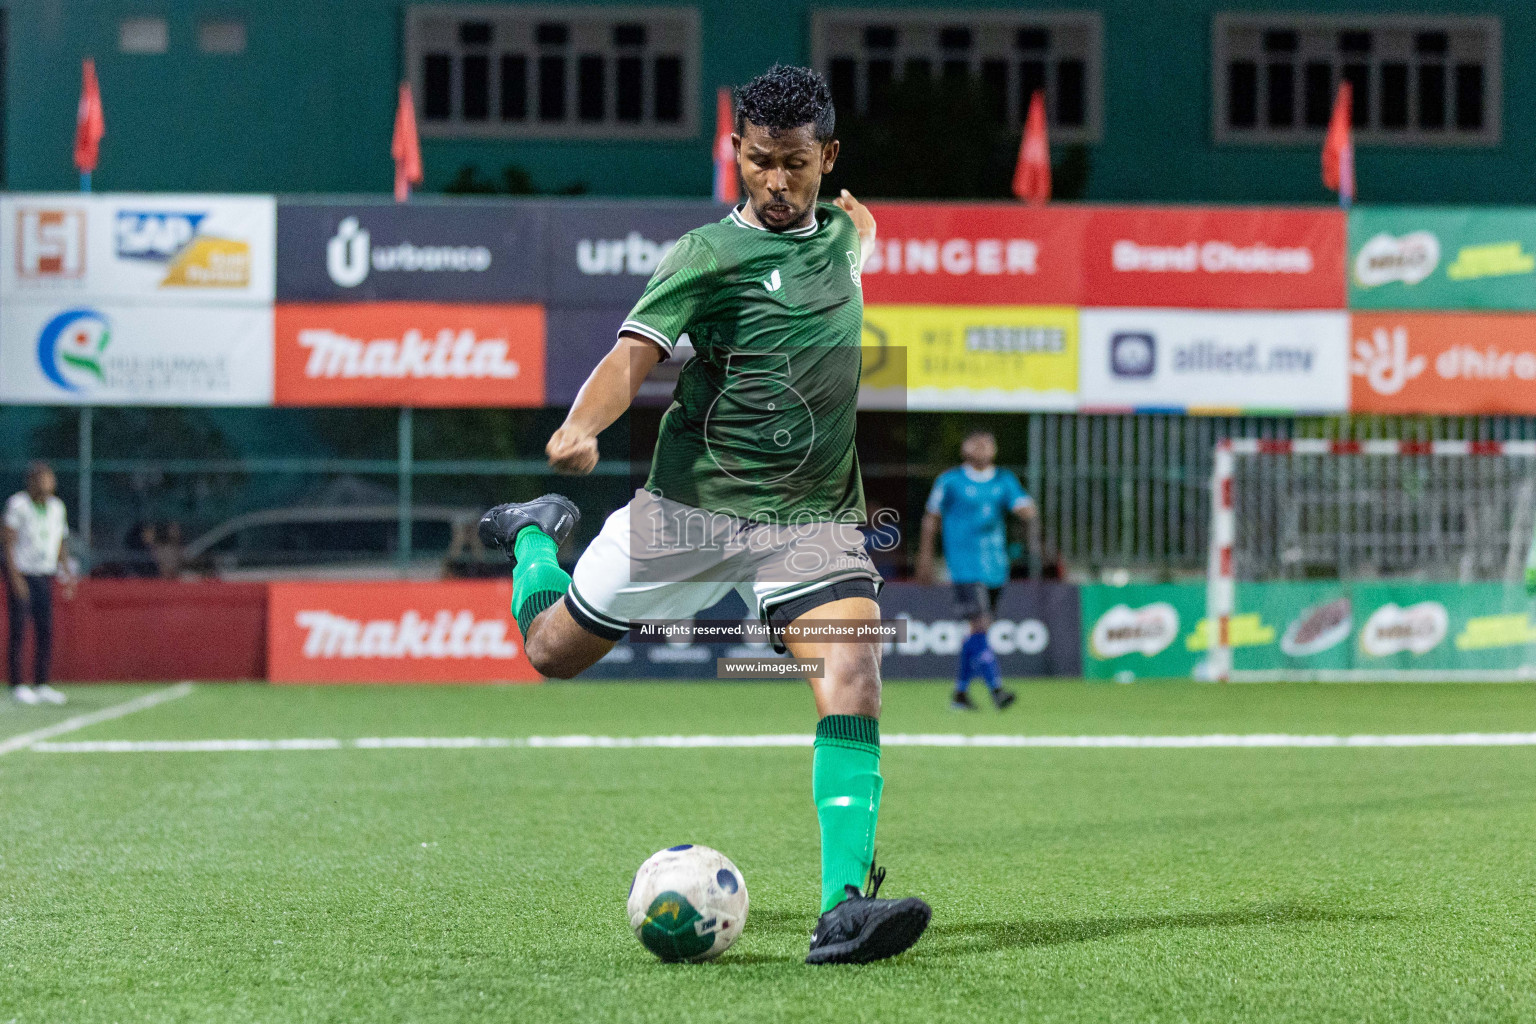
x,y
785,97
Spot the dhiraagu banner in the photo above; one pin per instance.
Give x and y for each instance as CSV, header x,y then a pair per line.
x,y
1417,257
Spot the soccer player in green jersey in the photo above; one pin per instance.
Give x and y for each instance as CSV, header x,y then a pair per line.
x,y
754,483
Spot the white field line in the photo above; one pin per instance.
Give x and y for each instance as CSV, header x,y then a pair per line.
x,y
1216,740
149,700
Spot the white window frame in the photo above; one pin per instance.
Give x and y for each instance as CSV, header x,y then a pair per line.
x,y
572,128
1410,136
935,17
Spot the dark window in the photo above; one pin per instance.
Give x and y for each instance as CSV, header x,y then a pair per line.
x,y
1242,94
475,33
514,87
437,84
552,33
1071,98
1432,42
476,87
1469,97
878,79
1394,95
957,70
956,37
1432,96
1033,39
1280,80
880,37
629,35
1359,78
1317,86
1031,80
591,82
669,89
844,83
1280,41
918,69
994,88
1355,42
630,101
551,88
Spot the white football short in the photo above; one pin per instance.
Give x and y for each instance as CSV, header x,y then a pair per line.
x,y
660,559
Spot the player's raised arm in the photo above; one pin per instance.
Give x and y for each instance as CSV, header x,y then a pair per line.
x,y
863,220
602,399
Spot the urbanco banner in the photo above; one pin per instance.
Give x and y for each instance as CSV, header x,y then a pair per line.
x,y
601,254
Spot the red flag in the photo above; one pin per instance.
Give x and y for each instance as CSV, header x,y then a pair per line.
x,y
1339,148
727,188
90,123
1032,176
406,146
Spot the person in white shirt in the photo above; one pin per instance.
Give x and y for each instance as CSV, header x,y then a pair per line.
x,y
34,533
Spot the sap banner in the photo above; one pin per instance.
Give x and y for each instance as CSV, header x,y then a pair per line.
x,y
601,254
172,249
403,632
1181,360
451,251
120,353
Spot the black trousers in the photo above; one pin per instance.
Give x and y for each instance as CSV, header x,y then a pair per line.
x,y
39,606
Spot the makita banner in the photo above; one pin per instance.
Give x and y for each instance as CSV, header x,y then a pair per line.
x,y
601,254
1206,258
976,253
451,251
397,632
181,250
1417,257
1035,634
409,353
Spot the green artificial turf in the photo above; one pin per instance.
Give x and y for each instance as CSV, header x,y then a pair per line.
x,y
1392,885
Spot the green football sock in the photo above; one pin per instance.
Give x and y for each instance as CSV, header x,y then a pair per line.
x,y
846,783
537,580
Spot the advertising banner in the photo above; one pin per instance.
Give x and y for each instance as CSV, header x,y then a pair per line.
x,y
976,253
578,340
173,249
1459,364
124,354
1156,359
1415,257
431,252
409,353
997,358
398,632
601,254
1140,630
1196,258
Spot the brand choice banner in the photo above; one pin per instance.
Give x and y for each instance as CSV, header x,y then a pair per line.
x,y
975,357
1450,363
178,249
1405,257
450,632
409,353
436,252
1205,361
601,254
957,254
90,353
1214,258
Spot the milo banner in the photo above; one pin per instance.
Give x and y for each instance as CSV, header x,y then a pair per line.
x,y
1410,257
1316,630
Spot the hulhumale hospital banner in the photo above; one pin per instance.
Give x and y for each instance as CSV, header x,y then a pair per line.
x,y
1409,257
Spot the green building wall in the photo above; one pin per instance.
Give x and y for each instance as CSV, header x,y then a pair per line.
x,y
308,107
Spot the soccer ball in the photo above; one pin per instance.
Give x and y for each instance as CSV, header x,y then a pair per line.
x,y
687,903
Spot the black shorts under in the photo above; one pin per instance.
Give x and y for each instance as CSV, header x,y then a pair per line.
x,y
973,599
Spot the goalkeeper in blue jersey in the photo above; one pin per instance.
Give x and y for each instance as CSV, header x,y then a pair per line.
x,y
972,502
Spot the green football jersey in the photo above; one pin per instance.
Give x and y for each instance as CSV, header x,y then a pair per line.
x,y
761,424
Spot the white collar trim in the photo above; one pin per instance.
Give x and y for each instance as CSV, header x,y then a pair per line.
x,y
978,476
740,221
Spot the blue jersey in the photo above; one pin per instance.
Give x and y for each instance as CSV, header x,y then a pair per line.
x,y
974,508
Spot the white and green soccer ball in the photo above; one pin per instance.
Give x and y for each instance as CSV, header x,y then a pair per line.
x,y
687,903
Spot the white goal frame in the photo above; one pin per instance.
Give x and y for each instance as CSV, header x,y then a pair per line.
x,y
1221,584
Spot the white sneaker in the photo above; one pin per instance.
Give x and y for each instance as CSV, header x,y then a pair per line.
x,y
48,694
25,694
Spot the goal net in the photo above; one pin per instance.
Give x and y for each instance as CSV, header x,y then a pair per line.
x,y
1339,560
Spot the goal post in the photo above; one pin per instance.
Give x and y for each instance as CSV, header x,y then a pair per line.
x,y
1341,560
